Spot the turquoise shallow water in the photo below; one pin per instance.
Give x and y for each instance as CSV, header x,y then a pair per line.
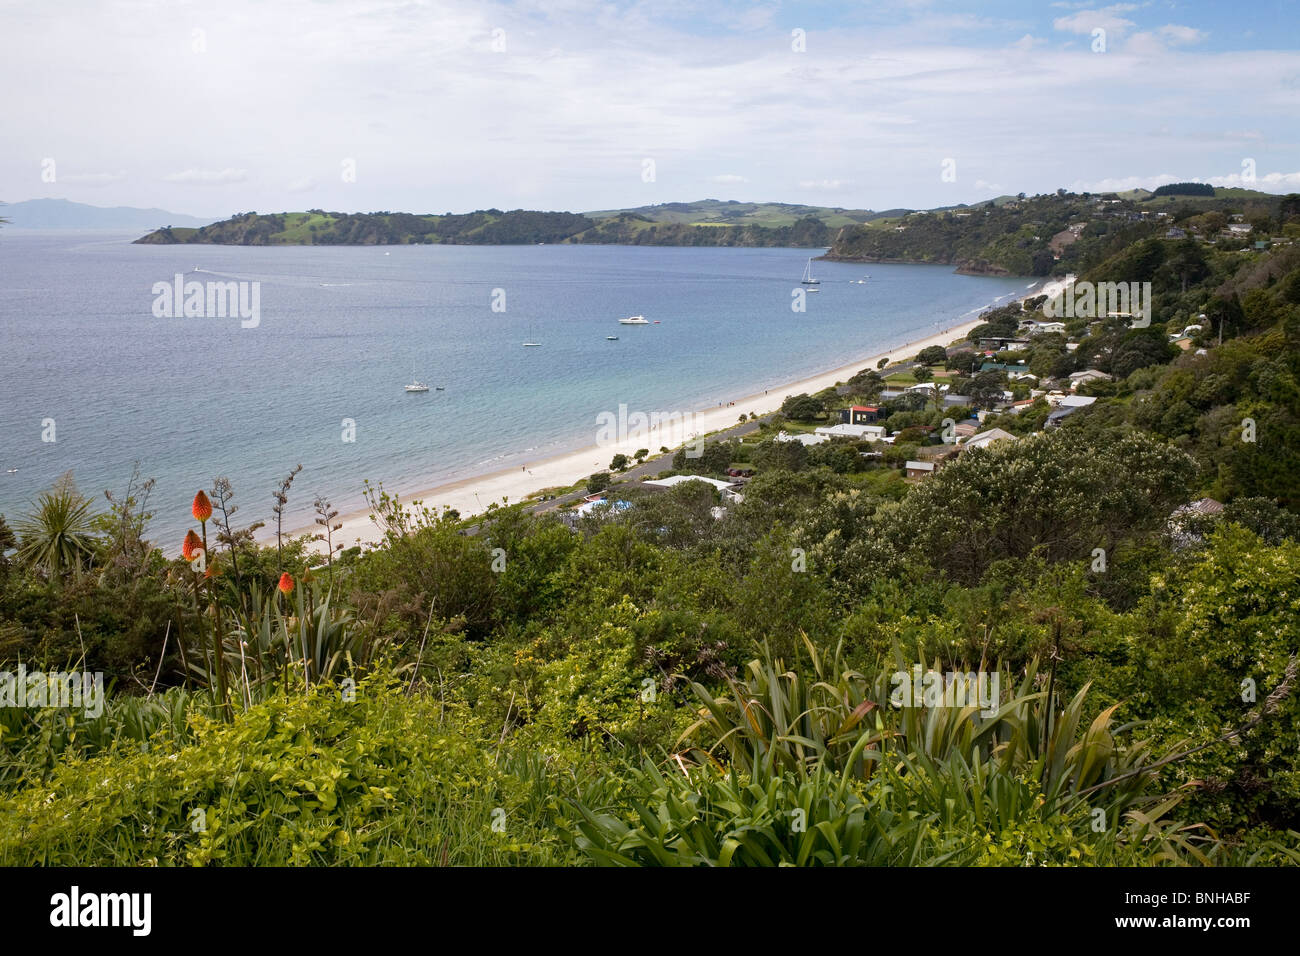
x,y
343,329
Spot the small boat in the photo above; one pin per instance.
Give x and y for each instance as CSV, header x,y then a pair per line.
x,y
634,320
441,388
656,322
611,338
532,345
11,471
417,387
812,288
808,276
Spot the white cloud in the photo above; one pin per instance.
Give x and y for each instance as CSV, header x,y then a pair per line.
x,y
826,185
209,177
586,89
1107,18
1264,182
1178,35
91,179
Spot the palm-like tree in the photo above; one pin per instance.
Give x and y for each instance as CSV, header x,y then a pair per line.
x,y
57,535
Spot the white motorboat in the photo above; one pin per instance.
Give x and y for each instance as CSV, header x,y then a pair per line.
x,y
634,320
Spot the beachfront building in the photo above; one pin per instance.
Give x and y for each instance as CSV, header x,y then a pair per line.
x,y
803,438
856,432
727,488
860,415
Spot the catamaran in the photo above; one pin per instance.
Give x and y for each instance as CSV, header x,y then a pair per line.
x,y
634,320
808,276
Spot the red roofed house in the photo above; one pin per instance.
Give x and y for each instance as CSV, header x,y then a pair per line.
x,y
859,415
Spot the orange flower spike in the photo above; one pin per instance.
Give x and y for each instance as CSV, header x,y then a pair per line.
x,y
192,546
202,507
286,583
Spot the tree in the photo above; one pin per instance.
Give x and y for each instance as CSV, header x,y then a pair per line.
x,y
933,355
641,454
1049,494
801,408
597,482
922,374
964,361
882,363
57,536
781,455
618,463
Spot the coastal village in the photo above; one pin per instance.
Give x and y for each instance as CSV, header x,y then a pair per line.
x,y
1017,373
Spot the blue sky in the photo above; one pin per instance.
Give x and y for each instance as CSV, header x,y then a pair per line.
x,y
433,105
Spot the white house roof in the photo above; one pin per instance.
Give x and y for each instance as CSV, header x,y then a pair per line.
x,y
850,431
920,466
678,479
803,439
985,438
1076,401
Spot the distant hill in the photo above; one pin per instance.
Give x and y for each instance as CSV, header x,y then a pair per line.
x,y
704,223
1040,235
717,212
65,214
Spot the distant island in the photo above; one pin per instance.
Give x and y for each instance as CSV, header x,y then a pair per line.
x,y
707,222
65,214
1010,235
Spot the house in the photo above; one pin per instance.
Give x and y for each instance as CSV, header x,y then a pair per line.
x,y
1017,407
1060,414
860,415
965,429
803,438
727,488
919,469
1087,375
1175,233
889,394
1074,401
1239,228
984,439
858,432
957,401
1183,523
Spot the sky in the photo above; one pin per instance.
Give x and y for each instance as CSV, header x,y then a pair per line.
x,y
430,106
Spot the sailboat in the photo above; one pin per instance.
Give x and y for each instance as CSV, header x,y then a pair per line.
x,y
417,386
808,276
532,342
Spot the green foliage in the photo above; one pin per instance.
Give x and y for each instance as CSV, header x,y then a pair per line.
x,y
388,779
56,538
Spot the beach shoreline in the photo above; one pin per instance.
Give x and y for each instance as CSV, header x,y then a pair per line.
x,y
473,494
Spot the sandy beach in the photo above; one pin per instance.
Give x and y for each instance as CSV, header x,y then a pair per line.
x,y
472,495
